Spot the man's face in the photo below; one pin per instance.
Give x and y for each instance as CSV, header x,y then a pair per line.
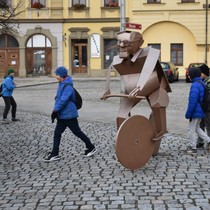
x,y
127,46
124,44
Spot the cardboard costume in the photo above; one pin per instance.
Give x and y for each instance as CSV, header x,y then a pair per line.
x,y
138,138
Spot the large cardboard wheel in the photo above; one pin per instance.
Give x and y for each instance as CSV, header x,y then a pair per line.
x,y
134,145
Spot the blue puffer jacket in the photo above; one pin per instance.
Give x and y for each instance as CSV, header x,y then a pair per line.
x,y
196,94
64,105
8,86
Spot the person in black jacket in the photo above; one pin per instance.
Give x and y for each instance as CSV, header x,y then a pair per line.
x,y
205,123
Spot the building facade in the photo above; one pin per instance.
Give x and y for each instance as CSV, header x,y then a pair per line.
x,y
81,34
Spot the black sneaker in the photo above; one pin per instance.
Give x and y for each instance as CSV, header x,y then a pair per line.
x,y
15,120
51,157
200,145
89,152
191,151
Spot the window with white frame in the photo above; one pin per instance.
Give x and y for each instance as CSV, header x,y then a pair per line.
x,y
82,3
111,3
38,40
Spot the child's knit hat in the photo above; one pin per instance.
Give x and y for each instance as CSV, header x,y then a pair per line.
x,y
194,72
61,71
10,70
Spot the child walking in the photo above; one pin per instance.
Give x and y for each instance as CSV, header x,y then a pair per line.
x,y
194,111
65,111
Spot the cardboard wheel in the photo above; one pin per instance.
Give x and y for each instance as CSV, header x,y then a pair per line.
x,y
134,145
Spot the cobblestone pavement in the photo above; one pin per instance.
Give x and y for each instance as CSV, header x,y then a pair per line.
x,y
171,180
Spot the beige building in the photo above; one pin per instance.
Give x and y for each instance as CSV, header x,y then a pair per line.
x,y
81,34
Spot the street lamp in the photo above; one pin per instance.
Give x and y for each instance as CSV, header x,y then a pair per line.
x,y
206,41
122,15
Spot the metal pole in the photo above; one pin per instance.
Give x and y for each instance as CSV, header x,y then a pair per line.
x,y
122,28
122,15
206,42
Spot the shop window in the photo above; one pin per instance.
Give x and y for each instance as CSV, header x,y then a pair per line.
x,y
38,4
111,50
177,54
111,3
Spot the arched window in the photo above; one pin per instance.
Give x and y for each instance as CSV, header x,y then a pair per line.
x,y
7,41
38,40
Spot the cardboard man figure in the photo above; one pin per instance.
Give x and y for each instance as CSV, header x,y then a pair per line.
x,y
143,78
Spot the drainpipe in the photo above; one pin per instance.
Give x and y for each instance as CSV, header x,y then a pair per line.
x,y
206,41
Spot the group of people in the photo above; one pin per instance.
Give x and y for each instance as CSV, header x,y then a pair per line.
x,y
198,120
65,111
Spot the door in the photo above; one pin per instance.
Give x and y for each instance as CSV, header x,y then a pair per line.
x,y
38,61
9,58
79,59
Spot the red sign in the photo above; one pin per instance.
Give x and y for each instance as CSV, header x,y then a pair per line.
x,y
133,26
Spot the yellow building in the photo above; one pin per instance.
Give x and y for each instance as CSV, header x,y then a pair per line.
x,y
81,34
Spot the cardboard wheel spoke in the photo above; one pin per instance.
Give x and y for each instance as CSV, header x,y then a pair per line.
x,y
134,145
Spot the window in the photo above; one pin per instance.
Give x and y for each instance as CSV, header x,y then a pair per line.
x,y
38,40
188,1
7,40
156,46
111,3
153,1
38,4
110,48
78,2
177,54
5,3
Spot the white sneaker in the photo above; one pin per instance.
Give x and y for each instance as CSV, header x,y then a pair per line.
x,y
89,153
5,121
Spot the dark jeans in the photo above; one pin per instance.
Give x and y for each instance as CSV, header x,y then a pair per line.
x,y
73,125
9,101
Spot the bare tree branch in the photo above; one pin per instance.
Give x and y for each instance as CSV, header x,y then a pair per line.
x,y
9,16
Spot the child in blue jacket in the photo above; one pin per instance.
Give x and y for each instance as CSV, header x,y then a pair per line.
x,y
65,111
8,87
194,111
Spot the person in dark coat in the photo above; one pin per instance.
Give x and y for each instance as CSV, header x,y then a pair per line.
x,y
65,111
205,123
194,111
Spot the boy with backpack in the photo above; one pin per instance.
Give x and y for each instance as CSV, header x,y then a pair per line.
x,y
194,111
205,123
65,111
8,87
